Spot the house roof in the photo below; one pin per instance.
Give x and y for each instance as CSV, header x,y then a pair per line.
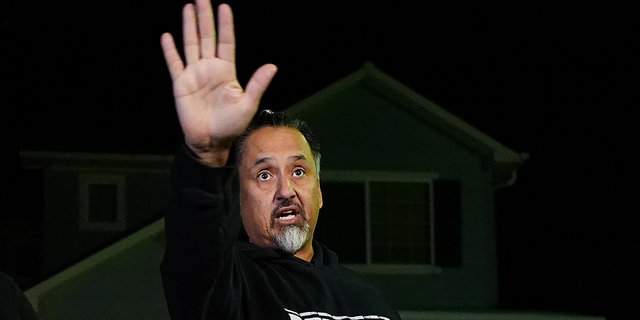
x,y
503,160
152,230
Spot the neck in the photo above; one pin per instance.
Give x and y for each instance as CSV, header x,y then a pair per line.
x,y
306,253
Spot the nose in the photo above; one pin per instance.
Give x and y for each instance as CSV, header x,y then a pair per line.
x,y
285,190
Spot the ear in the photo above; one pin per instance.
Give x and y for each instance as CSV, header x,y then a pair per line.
x,y
320,194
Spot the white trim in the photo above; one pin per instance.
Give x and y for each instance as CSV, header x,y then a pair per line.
x,y
432,231
33,167
35,293
365,177
346,82
117,180
500,152
26,154
385,176
106,169
394,268
367,221
391,85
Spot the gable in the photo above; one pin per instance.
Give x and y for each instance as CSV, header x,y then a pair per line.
x,y
350,98
360,130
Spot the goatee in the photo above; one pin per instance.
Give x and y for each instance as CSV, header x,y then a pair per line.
x,y
292,238
289,238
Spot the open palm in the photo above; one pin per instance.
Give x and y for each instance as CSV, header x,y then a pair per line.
x,y
212,107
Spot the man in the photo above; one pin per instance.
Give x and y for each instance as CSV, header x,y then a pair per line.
x,y
280,272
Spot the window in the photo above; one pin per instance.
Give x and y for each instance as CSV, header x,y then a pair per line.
x,y
385,218
102,202
400,222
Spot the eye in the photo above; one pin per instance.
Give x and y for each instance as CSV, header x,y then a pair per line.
x,y
298,173
264,175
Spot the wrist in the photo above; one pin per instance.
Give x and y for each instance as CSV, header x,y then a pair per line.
x,y
215,159
213,155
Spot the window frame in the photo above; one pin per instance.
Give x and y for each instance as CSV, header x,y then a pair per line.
x,y
117,180
366,177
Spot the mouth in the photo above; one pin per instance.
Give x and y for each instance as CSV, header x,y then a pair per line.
x,y
288,215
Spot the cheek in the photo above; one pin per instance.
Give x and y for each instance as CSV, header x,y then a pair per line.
x,y
255,210
314,201
317,195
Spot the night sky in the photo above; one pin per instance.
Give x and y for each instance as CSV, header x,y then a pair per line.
x,y
558,81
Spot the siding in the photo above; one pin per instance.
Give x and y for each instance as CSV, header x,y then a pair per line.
x,y
361,131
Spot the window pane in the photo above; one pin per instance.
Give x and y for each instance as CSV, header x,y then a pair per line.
x,y
448,223
103,203
341,224
400,230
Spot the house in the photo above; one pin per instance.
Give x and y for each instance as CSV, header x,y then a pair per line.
x,y
102,234
408,193
89,201
121,281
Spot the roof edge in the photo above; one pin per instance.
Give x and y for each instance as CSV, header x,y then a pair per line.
x,y
48,155
374,77
501,153
35,292
345,82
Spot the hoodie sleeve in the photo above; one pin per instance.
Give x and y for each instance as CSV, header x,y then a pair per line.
x,y
201,226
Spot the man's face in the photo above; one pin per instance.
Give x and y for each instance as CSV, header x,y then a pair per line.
x,y
280,189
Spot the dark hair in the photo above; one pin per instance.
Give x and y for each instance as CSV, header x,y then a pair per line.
x,y
268,118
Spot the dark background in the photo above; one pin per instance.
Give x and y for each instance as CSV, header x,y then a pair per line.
x,y
556,80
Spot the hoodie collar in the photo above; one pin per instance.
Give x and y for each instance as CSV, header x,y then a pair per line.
x,y
322,256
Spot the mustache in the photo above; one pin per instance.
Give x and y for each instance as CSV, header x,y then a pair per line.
x,y
288,203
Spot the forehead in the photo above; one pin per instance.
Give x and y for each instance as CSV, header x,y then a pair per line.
x,y
270,141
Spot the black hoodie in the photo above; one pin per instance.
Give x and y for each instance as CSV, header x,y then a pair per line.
x,y
208,274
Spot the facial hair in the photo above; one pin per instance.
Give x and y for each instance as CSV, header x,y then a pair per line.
x,y
290,238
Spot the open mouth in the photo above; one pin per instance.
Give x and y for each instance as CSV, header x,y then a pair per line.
x,y
287,214
291,213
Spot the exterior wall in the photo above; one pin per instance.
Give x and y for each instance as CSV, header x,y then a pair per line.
x,y
360,131
127,286
146,196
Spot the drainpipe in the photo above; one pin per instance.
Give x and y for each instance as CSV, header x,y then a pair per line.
x,y
509,183
514,175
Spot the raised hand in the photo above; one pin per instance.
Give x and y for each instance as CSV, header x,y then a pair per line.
x,y
212,107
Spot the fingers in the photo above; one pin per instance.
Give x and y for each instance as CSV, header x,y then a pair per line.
x,y
171,56
199,34
190,34
260,81
226,37
205,25
200,38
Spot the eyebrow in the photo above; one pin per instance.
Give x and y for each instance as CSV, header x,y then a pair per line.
x,y
262,160
269,159
297,157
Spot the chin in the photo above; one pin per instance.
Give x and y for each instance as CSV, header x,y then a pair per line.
x,y
291,238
